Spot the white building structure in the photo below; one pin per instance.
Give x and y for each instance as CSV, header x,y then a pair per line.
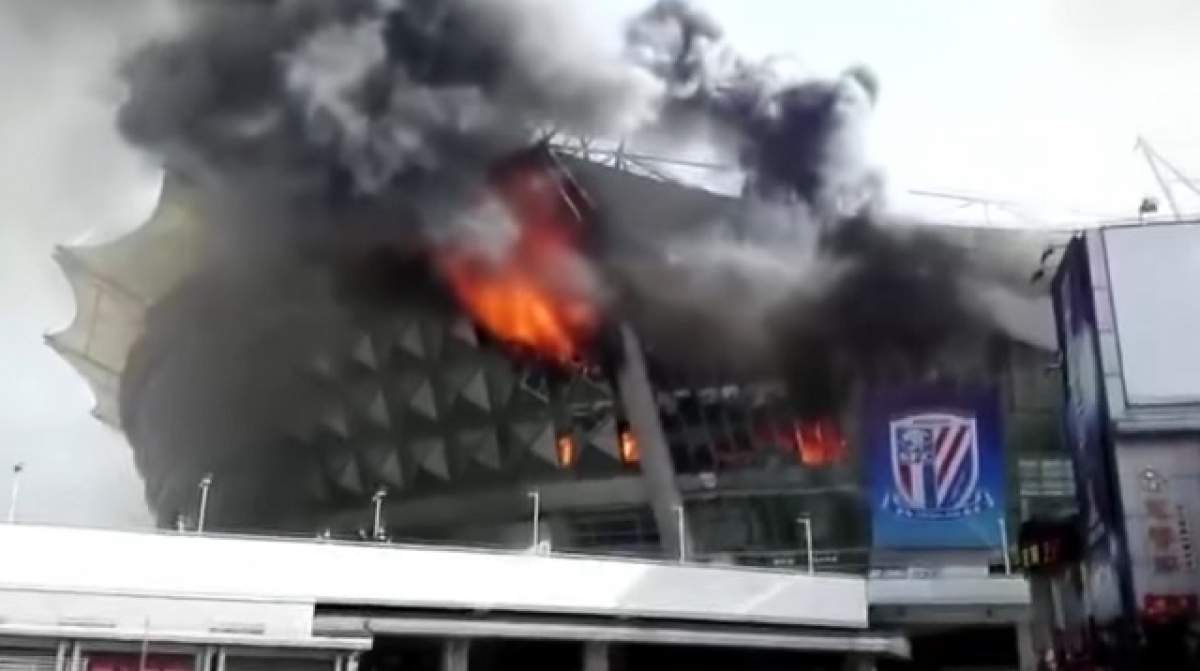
x,y
93,599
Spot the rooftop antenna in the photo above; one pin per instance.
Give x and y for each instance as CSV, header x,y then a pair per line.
x,y
1157,163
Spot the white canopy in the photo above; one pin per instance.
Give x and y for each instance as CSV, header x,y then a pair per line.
x,y
115,282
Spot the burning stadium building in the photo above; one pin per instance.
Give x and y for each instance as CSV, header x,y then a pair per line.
x,y
373,274
461,393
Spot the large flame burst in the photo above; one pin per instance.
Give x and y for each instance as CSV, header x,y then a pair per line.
x,y
537,293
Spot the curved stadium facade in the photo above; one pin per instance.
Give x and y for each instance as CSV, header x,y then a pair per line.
x,y
627,454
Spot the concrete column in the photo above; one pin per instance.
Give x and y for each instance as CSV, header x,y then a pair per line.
x,y
595,656
204,658
658,469
60,657
1026,654
75,663
456,654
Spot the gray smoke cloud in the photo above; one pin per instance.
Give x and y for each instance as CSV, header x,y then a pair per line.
x,y
415,97
810,275
337,141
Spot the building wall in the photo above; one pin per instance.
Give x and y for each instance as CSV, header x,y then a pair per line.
x,y
1143,281
1160,487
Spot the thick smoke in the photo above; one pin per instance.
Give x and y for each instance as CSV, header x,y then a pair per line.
x,y
383,99
330,144
812,277
327,135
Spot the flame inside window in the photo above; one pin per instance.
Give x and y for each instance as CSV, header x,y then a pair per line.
x,y
630,452
819,442
567,452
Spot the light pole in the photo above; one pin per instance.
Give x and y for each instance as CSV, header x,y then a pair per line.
x,y
808,541
205,483
536,497
681,526
377,499
16,492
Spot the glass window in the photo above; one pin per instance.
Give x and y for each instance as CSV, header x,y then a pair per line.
x,y
1046,477
277,663
28,659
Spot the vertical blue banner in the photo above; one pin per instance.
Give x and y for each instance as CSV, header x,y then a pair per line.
x,y
1085,420
936,461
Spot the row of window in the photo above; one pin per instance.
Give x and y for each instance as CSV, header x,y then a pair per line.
x,y
51,655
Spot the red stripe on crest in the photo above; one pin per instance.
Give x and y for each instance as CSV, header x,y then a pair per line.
x,y
952,449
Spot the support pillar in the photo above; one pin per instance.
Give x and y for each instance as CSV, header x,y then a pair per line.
x,y
1026,654
60,657
75,662
595,656
658,469
205,658
456,654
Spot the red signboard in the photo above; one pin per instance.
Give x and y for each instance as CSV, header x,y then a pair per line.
x,y
1169,605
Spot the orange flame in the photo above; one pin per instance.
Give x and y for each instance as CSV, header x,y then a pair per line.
x,y
566,451
535,296
819,442
630,452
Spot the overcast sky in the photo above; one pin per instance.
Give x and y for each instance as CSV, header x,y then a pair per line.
x,y
64,175
1033,101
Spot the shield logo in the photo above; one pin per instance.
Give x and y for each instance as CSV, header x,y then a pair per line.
x,y
935,460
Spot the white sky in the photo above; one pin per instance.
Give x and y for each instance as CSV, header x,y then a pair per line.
x,y
1034,101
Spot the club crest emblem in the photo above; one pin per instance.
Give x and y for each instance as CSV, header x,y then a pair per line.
x,y
935,465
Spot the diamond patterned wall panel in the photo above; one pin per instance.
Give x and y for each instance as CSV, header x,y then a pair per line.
x,y
383,465
430,455
333,418
377,411
452,375
501,381
409,339
537,438
417,403
463,331
344,471
364,353
422,401
481,446
399,385
475,391
601,436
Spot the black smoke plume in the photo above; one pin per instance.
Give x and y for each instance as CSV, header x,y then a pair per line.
x,y
325,135
830,292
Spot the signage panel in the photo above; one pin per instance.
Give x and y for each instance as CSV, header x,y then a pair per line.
x,y
937,467
1109,588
